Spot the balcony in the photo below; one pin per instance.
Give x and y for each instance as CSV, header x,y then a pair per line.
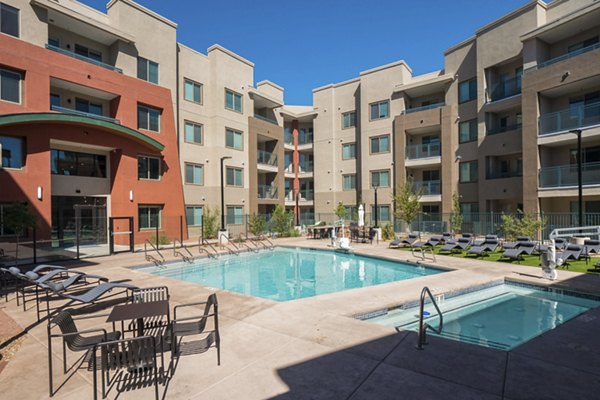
x,y
65,110
306,139
502,129
267,192
503,174
428,188
420,151
566,175
306,195
266,119
572,118
507,88
83,58
266,158
306,167
422,108
564,57
288,138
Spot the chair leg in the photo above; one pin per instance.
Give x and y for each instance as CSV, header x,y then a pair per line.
x,y
50,386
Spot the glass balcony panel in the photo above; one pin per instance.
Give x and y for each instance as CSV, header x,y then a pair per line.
x,y
267,192
428,188
417,151
571,118
83,58
422,108
506,88
267,158
566,175
65,110
564,57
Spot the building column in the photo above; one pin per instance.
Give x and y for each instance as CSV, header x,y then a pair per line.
x,y
296,162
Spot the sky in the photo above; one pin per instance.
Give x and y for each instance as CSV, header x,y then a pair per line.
x,y
302,45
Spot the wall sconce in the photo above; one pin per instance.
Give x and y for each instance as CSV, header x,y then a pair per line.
x,y
131,195
40,192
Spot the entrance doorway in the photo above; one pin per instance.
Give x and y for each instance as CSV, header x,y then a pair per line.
x,y
79,221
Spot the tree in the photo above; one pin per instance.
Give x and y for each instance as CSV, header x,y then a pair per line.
x,y
524,225
406,202
282,222
257,224
210,222
18,219
456,218
340,211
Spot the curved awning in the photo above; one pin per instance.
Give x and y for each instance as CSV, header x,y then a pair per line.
x,y
53,118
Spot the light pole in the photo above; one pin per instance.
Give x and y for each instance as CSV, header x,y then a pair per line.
x,y
376,208
223,195
579,172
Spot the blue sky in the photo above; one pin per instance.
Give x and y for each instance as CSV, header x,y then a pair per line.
x,y
305,44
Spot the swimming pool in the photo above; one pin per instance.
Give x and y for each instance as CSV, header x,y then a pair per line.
x,y
291,273
502,316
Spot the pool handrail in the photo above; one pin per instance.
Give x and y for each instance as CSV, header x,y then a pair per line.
x,y
203,242
150,257
422,339
225,244
186,255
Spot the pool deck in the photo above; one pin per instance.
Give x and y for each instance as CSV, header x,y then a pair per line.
x,y
311,349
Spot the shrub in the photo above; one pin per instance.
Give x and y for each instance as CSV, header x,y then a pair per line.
x,y
407,202
210,223
387,233
456,219
340,211
282,222
162,239
526,225
257,224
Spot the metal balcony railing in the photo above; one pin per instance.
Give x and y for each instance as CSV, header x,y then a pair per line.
x,y
428,188
83,58
571,118
502,129
423,108
268,192
266,158
65,110
566,175
564,57
417,151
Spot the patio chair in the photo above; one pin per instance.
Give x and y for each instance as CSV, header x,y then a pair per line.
x,y
73,339
573,251
197,325
432,242
412,238
518,252
456,246
447,236
591,247
146,295
488,246
135,360
517,243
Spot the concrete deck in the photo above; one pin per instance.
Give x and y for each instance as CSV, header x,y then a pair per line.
x,y
311,349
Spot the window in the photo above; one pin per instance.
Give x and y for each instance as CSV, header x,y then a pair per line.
x,y
10,86
4,208
235,215
9,20
147,70
148,168
233,101
235,177
54,101
578,46
192,91
148,118
380,178
348,119
54,41
234,139
193,132
380,110
193,215
348,151
349,182
468,172
467,90
88,107
380,144
149,217
13,152
383,212
194,174
88,53
70,163
467,131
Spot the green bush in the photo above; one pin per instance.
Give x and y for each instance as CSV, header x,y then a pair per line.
x,y
210,223
526,225
162,239
282,222
257,224
387,232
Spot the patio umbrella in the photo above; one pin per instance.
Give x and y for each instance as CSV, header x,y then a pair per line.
x,y
361,216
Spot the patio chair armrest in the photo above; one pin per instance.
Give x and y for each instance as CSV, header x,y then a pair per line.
x,y
186,305
64,335
90,316
194,317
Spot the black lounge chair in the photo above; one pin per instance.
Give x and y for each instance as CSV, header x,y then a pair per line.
x,y
591,246
518,252
95,293
446,236
412,238
573,251
456,246
432,242
488,246
517,243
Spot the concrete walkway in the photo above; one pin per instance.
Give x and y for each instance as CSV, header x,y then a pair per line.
x,y
311,349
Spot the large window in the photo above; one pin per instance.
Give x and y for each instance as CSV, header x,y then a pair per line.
x,y
88,53
4,208
383,212
10,86
193,132
149,217
234,139
380,178
235,215
580,45
380,144
9,20
349,182
87,106
148,118
147,70
70,163
13,152
467,131
467,90
235,177
192,91
194,174
233,100
380,110
468,172
148,168
348,119
348,151
193,215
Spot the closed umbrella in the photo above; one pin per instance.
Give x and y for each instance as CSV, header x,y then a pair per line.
x,y
361,216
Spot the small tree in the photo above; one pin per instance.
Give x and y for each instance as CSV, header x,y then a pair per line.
x,y
456,218
526,225
282,222
340,211
387,233
257,224
406,202
210,222
18,219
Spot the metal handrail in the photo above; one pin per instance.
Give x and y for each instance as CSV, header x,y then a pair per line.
x,y
203,242
186,257
271,245
424,326
236,250
150,257
422,250
250,249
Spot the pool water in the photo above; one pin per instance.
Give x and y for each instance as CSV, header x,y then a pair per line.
x,y
502,316
291,273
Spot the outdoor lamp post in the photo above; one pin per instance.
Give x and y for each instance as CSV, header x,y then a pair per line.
x,y
376,208
223,194
579,173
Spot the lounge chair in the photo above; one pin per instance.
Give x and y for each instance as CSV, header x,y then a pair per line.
x,y
95,293
488,246
447,236
456,246
432,242
591,247
517,243
573,251
398,242
518,252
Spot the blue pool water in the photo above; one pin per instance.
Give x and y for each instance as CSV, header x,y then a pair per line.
x,y
290,273
502,317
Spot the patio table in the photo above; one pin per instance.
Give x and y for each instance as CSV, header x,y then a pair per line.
x,y
138,311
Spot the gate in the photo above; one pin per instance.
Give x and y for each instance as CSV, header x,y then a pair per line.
x,y
118,227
